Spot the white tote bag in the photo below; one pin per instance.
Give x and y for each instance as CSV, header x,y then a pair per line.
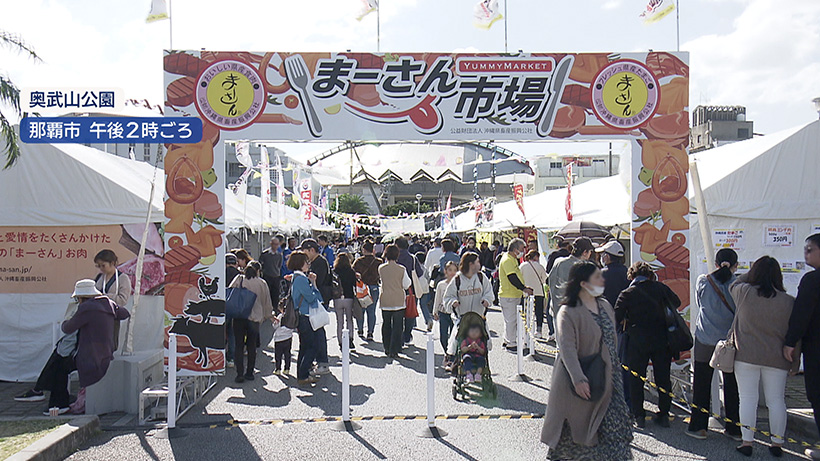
x,y
319,316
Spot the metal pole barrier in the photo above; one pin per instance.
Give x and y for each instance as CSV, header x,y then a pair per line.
x,y
431,431
519,352
531,325
346,424
170,430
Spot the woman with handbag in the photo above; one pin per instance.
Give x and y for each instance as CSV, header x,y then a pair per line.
x,y
535,276
394,284
644,305
305,295
246,331
587,417
758,334
344,304
716,312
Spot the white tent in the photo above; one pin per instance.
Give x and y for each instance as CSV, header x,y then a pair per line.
x,y
604,201
766,181
68,185
246,212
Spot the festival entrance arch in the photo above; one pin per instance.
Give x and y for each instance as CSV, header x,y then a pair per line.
x,y
276,96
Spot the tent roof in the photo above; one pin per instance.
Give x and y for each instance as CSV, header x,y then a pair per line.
x,y
603,201
771,177
247,213
73,185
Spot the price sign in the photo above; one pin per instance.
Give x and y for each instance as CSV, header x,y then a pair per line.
x,y
778,235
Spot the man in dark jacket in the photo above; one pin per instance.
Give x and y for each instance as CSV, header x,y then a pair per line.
x,y
271,260
805,325
614,270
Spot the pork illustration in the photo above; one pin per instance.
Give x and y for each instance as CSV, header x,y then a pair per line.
x,y
153,272
203,336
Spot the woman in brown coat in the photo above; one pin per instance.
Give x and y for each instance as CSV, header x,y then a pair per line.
x,y
576,427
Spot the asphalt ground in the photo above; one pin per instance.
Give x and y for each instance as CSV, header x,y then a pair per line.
x,y
239,421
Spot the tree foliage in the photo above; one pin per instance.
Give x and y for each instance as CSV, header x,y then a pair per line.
x,y
407,207
10,97
352,204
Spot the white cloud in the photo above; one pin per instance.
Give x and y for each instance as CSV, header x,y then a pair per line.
x,y
769,63
612,4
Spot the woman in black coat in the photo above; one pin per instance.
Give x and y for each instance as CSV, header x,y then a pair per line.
x,y
642,306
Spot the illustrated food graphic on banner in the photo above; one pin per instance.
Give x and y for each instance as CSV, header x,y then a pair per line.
x,y
441,96
51,259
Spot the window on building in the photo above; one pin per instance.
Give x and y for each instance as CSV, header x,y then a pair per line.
x,y
743,133
599,168
146,153
235,170
556,169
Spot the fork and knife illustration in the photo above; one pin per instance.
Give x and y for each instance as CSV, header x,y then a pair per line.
x,y
299,78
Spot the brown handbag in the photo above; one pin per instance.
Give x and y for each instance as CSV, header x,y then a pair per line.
x,y
411,310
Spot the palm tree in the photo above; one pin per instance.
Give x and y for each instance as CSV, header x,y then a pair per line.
x,y
10,97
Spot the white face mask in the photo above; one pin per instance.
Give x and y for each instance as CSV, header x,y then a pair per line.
x,y
595,291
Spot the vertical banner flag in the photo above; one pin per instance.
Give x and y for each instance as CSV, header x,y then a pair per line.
x,y
159,11
568,204
280,190
479,211
518,194
243,154
486,13
323,204
657,10
368,6
264,166
306,196
446,219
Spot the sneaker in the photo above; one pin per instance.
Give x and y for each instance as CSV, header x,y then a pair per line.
x,y
60,411
361,334
430,325
697,435
370,337
640,423
776,451
745,450
31,396
249,377
352,346
813,453
286,373
538,333
277,372
322,369
230,364
512,349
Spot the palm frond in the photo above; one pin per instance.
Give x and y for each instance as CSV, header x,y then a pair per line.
x,y
16,43
9,94
12,141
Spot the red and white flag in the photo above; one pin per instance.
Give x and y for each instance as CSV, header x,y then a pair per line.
x,y
568,203
486,13
518,195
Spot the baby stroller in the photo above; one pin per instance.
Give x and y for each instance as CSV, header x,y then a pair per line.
x,y
462,388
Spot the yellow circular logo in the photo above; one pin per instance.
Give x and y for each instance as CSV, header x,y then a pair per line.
x,y
230,94
625,94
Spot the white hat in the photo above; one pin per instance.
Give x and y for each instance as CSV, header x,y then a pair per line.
x,y
84,288
612,247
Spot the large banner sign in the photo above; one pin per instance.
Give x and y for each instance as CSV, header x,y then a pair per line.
x,y
51,259
282,96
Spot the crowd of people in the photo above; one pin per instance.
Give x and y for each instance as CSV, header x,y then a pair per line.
x,y
598,313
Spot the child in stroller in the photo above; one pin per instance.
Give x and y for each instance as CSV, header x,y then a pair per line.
x,y
471,364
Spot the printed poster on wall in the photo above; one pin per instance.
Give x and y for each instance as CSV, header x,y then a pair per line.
x,y
463,97
51,259
729,238
778,235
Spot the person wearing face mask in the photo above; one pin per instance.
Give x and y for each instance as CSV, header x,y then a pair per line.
x,y
643,307
511,290
588,417
112,283
582,250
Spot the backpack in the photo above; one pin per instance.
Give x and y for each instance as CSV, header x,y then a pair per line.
x,y
290,318
480,280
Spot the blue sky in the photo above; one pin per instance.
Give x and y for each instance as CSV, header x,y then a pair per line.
x,y
764,54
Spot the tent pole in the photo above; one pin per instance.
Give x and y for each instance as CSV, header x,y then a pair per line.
x,y
703,217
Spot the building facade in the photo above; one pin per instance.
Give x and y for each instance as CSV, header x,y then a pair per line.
x,y
713,126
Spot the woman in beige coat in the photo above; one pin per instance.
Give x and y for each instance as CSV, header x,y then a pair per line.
x,y
576,427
